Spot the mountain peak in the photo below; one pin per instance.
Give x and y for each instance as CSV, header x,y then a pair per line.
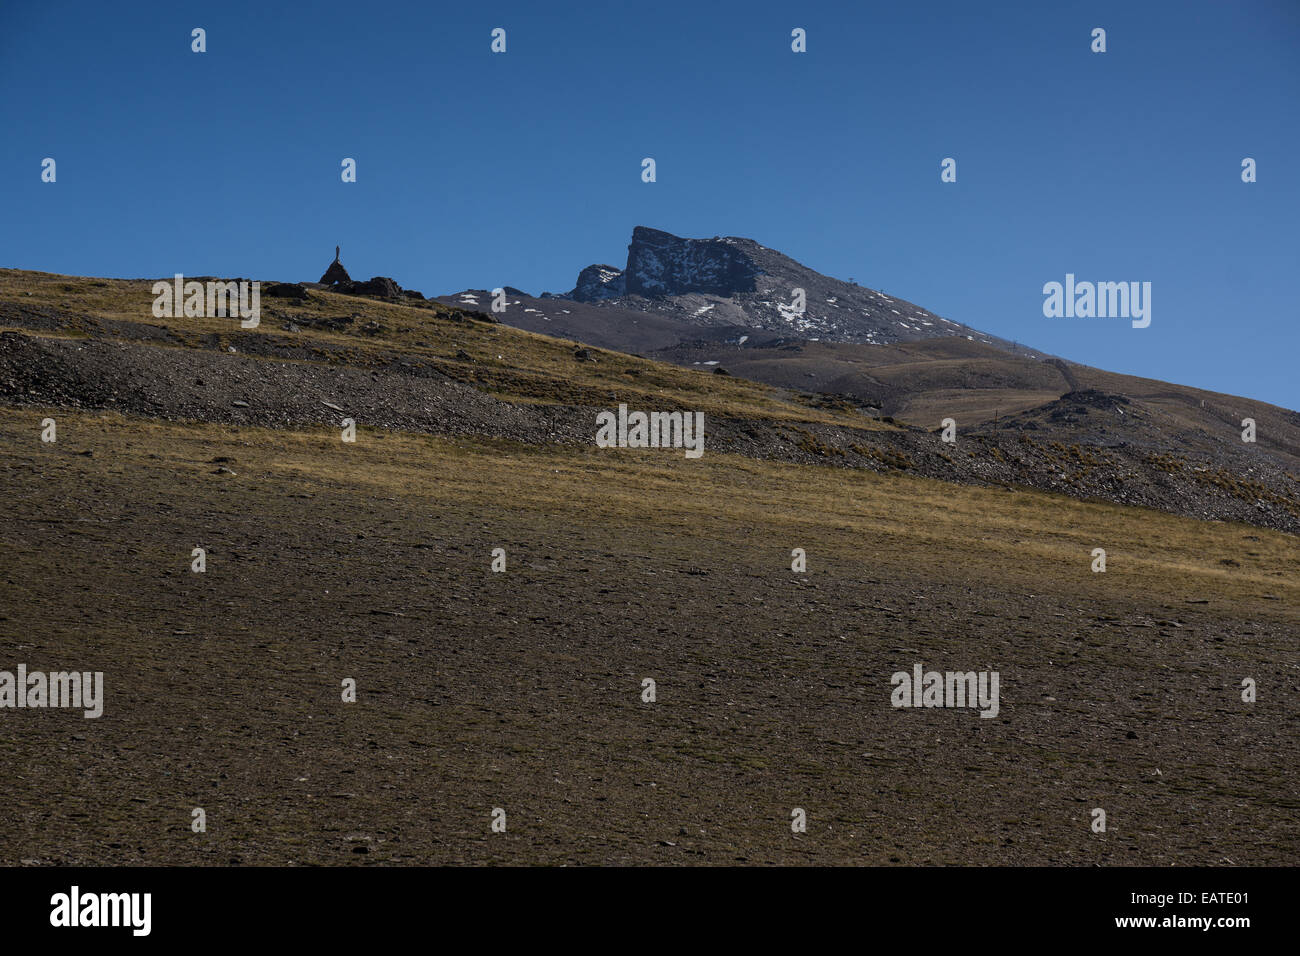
x,y
733,281
660,264
598,282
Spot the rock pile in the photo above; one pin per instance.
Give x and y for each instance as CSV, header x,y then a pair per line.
x,y
335,274
336,278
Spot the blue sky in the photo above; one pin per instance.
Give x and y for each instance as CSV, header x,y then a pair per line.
x,y
478,170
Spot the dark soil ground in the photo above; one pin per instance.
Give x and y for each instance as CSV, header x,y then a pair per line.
x,y
522,690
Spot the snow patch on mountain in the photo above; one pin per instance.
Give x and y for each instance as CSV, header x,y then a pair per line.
x,y
715,283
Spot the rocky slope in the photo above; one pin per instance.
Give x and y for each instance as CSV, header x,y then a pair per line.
x,y
423,367
730,281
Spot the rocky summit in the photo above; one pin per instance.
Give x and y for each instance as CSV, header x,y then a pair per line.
x,y
731,281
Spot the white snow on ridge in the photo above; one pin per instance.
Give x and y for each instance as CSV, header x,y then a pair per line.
x,y
792,315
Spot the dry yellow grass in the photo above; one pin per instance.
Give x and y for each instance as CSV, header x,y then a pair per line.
x,y
904,519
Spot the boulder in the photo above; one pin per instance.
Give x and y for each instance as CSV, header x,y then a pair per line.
x,y
286,290
381,286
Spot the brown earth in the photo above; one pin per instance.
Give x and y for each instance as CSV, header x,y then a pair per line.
x,y
522,690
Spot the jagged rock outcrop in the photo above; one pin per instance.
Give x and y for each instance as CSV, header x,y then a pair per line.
x,y
661,264
337,278
732,282
598,282
381,286
285,290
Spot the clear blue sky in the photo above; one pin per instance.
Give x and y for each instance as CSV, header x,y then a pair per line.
x,y
478,170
